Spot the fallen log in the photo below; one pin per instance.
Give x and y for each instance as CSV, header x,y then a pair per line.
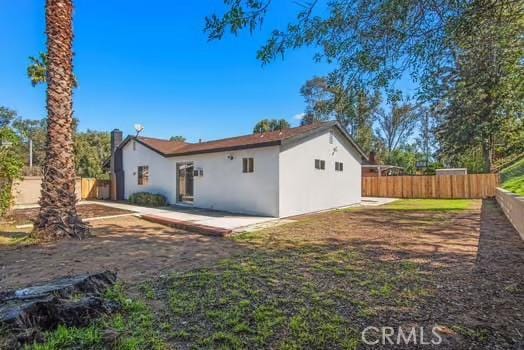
x,y
70,301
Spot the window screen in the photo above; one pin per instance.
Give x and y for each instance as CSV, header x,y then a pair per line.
x,y
248,165
143,175
320,164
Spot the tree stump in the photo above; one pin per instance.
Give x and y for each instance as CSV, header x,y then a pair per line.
x,y
70,301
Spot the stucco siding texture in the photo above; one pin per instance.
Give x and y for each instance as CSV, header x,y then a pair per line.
x,y
162,172
304,189
284,182
223,185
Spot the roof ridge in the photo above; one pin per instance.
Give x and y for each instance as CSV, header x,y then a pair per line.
x,y
319,123
168,148
263,133
152,138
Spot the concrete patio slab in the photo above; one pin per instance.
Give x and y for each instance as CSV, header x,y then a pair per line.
x,y
179,215
214,222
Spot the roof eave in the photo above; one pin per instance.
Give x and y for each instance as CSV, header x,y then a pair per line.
x,y
327,126
224,149
352,141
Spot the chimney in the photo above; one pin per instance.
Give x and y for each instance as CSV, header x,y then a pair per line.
x,y
116,139
372,159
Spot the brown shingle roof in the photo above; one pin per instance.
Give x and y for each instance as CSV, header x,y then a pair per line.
x,y
176,148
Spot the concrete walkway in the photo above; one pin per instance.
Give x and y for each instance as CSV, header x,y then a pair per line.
x,y
197,216
213,218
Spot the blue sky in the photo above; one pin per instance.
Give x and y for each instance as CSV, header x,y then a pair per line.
x,y
150,62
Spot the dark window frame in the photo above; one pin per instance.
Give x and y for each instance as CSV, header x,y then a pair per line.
x,y
143,175
248,165
339,166
320,164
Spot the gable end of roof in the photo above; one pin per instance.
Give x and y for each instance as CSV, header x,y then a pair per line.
x,y
167,148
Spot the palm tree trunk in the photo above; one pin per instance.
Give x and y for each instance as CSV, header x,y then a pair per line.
x,y
58,217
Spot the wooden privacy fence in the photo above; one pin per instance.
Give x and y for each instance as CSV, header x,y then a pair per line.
x,y
95,189
444,186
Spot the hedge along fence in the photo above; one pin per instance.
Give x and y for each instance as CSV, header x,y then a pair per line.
x,y
443,186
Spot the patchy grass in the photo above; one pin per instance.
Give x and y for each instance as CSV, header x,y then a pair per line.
x,y
318,282
308,298
10,236
512,171
443,205
134,328
65,337
515,185
512,177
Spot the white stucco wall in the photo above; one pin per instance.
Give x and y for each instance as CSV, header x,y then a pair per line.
x,y
223,186
304,189
162,172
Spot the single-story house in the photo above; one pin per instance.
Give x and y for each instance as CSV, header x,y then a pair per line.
x,y
278,174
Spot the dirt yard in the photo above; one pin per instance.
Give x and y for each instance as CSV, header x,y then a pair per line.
x,y
86,211
315,283
135,248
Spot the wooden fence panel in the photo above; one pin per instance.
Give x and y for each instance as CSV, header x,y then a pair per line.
x,y
396,186
447,186
95,189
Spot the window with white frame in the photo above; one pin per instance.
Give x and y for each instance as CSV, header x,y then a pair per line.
x,y
339,166
143,175
320,164
248,165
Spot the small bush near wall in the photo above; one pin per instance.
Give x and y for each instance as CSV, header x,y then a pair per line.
x,y
148,199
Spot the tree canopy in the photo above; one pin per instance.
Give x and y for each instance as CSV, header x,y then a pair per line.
x,y
396,125
370,41
37,70
91,149
466,56
267,125
177,138
353,106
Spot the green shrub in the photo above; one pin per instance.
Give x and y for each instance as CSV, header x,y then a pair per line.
x,y
148,199
10,166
